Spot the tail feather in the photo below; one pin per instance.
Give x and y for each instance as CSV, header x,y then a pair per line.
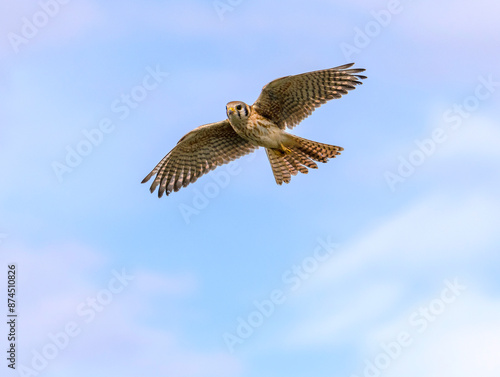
x,y
294,160
305,160
280,169
300,154
291,167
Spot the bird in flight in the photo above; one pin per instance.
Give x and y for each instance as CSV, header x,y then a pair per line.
x,y
283,103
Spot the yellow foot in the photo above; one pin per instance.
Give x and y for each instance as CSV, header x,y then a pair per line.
x,y
285,150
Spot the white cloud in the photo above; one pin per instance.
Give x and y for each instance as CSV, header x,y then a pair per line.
x,y
326,329
477,139
374,276
434,229
463,343
122,334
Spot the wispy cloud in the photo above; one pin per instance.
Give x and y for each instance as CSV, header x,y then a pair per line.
x,y
463,343
121,325
408,245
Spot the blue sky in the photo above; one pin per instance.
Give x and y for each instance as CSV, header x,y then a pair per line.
x,y
383,261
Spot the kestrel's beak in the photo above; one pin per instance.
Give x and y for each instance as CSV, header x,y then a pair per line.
x,y
230,110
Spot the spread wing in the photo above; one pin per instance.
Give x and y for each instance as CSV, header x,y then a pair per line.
x,y
197,153
289,100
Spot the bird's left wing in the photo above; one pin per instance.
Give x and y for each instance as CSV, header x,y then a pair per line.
x,y
197,153
288,100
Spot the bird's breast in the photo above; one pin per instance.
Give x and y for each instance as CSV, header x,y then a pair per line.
x,y
260,131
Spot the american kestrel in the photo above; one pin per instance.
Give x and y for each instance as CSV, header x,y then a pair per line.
x,y
284,102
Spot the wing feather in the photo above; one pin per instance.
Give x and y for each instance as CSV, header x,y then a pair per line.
x,y
289,100
197,153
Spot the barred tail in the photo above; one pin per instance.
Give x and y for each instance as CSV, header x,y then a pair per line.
x,y
298,155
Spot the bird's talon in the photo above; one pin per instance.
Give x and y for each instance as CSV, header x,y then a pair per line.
x,y
285,150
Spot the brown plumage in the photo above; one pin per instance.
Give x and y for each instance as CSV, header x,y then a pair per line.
x,y
197,153
283,103
299,158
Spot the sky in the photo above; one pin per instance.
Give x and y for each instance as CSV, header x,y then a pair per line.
x,y
382,262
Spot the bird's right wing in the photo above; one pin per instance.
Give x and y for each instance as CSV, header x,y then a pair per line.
x,y
197,153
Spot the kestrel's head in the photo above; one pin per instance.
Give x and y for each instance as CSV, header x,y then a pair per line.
x,y
237,110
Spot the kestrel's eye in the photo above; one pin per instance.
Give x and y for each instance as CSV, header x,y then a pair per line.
x,y
238,107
